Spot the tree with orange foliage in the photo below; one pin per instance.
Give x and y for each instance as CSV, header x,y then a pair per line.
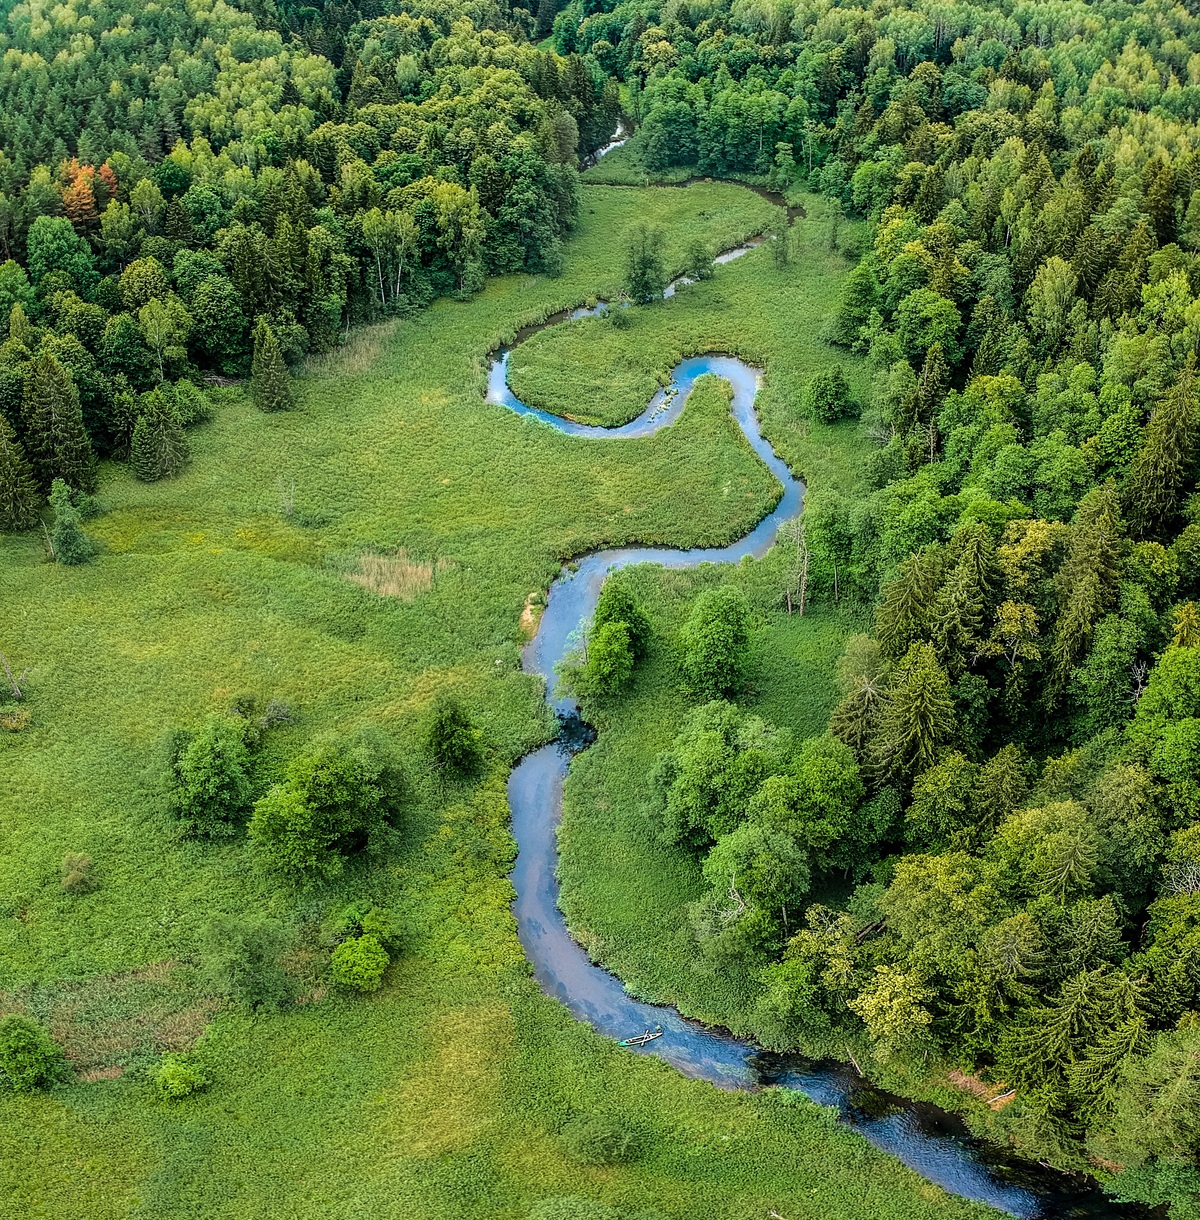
x,y
79,193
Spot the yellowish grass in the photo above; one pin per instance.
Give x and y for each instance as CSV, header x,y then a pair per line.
x,y
357,355
396,575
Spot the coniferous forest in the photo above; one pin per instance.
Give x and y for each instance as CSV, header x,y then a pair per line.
x,y
916,786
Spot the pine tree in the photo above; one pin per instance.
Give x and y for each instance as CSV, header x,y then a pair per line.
x,y
958,619
67,539
270,379
159,447
55,437
1163,466
19,497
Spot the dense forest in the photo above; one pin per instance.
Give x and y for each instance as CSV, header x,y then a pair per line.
x,y
181,185
1012,773
992,858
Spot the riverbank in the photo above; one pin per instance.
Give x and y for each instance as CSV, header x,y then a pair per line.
x,y
447,1092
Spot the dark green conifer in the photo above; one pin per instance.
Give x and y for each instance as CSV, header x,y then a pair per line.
x,y
1087,579
918,718
55,438
19,499
1163,465
270,379
158,447
903,615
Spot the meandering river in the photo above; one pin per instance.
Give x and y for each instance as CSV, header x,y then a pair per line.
x,y
933,1143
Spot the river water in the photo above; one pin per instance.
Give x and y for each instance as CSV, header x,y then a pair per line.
x,y
928,1140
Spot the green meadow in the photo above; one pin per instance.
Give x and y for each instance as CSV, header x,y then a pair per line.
x,y
354,557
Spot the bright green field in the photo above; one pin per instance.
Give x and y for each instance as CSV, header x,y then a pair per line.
x,y
441,1095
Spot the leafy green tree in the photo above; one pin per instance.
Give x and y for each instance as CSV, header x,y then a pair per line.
x,y
755,865
209,781
336,800
1051,850
816,802
29,1057
716,642
859,296
453,743
645,268
54,246
270,379
942,803
359,963
55,438
617,604
68,541
19,500
828,397
702,786
609,663
893,1007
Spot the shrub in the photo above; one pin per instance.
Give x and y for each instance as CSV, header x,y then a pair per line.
x,y
29,1058
828,397
77,874
363,918
597,1139
359,963
241,962
177,1076
210,778
453,741
716,642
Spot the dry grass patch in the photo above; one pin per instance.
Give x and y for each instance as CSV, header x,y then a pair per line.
x,y
396,575
356,355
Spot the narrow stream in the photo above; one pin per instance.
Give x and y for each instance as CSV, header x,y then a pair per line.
x,y
930,1141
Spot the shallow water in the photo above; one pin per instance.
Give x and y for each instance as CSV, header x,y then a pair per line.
x,y
933,1143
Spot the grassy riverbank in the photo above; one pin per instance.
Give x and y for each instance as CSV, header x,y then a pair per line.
x,y
443,1094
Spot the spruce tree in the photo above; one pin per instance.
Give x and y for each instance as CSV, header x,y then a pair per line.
x,y
1164,465
55,437
70,544
270,379
159,447
1087,580
20,328
903,615
19,499
918,718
